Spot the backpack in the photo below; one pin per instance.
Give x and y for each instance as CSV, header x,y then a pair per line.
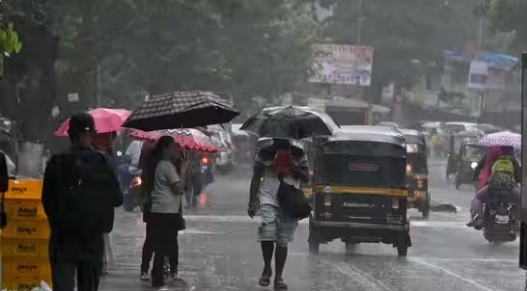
x,y
502,172
84,199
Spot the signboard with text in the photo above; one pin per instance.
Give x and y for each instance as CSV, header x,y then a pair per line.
x,y
342,64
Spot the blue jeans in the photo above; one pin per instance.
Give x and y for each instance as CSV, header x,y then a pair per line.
x,y
124,176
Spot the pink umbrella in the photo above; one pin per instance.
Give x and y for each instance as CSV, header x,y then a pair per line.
x,y
504,138
188,138
106,120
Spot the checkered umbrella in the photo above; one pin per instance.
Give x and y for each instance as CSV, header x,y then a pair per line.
x,y
292,122
504,138
181,110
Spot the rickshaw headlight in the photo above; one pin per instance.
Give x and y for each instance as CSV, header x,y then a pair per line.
x,y
408,168
473,165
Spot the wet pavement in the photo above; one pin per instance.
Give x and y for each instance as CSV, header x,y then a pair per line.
x,y
218,251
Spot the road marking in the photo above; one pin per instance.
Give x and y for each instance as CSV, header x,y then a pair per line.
x,y
450,273
475,260
355,274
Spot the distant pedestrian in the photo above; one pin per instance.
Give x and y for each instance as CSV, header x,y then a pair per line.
x,y
166,187
277,229
79,194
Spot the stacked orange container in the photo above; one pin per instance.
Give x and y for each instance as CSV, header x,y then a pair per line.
x,y
24,245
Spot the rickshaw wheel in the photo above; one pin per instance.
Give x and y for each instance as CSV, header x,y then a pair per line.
x,y
426,208
314,247
426,212
402,251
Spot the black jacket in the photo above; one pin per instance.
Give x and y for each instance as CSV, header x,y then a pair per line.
x,y
108,192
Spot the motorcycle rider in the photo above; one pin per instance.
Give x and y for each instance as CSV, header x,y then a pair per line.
x,y
499,168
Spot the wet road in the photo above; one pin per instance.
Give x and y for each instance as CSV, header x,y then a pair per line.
x,y
218,251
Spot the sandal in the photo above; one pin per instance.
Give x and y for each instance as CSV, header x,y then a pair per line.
x,y
279,285
265,280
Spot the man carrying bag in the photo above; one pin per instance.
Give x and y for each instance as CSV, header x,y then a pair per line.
x,y
278,169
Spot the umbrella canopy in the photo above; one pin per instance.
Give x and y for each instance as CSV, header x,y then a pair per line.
x,y
290,122
106,120
188,138
504,138
181,110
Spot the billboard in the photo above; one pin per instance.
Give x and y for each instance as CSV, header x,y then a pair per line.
x,y
478,75
342,64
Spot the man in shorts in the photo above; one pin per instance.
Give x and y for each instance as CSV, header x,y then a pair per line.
x,y
276,229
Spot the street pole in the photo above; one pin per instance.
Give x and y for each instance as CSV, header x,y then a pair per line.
x,y
359,22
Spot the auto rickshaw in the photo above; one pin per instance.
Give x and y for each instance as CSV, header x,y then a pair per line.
x,y
470,152
359,192
454,145
417,171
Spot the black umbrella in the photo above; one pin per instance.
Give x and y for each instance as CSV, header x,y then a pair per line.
x,y
181,110
290,122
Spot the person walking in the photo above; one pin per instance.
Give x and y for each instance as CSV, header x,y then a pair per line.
x,y
277,229
79,194
165,219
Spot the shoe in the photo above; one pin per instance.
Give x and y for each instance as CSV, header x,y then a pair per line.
x,y
173,277
265,279
144,277
279,285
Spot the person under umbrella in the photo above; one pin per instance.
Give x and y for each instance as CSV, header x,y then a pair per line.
x,y
165,185
79,196
277,229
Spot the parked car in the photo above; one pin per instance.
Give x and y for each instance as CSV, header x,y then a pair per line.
x,y
224,158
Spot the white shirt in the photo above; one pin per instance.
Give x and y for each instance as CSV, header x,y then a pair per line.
x,y
163,198
134,152
270,183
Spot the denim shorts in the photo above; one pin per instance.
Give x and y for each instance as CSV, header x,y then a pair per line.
x,y
276,226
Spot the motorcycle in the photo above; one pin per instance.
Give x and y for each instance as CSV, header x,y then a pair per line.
x,y
130,180
500,221
132,195
207,170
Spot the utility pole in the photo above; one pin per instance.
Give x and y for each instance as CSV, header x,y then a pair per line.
x,y
359,22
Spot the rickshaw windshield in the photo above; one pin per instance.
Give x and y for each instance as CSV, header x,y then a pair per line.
x,y
473,152
366,164
458,140
416,163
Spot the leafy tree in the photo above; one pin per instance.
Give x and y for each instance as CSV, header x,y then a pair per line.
x,y
402,31
509,16
9,42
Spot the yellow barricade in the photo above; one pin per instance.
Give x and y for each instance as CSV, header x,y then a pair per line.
x,y
25,239
22,283
27,248
26,230
24,189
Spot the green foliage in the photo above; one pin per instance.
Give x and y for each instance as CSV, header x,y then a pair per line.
x,y
509,16
242,47
9,44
